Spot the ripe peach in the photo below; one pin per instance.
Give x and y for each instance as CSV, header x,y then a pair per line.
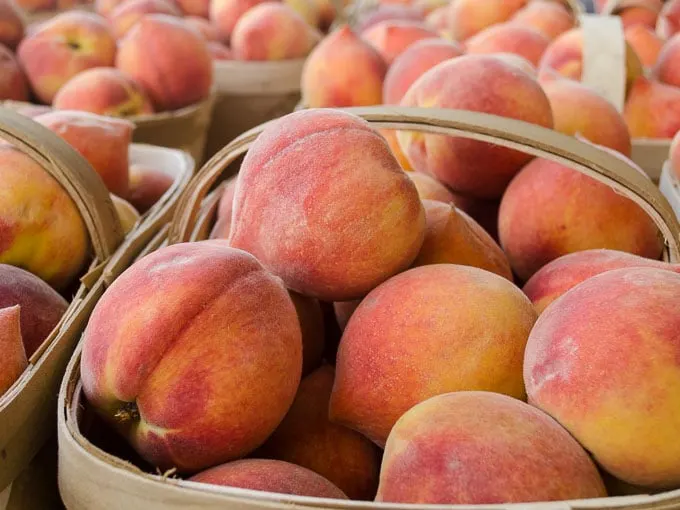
x,y
309,247
438,19
104,91
469,17
484,212
413,63
518,61
272,31
174,397
388,12
42,230
431,189
12,80
549,18
341,71
307,438
665,69
219,51
668,23
12,354
392,38
223,221
41,306
152,51
481,448
127,14
147,186
564,273
475,342
224,14
62,47
343,310
11,24
511,38
204,27
645,43
310,317
195,8
652,109
308,10
602,360
579,110
270,476
390,136
480,83
103,141
550,210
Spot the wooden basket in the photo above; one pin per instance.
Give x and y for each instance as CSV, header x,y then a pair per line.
x,y
27,409
91,478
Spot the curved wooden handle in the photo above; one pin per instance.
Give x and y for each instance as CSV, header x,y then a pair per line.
x,y
514,134
73,172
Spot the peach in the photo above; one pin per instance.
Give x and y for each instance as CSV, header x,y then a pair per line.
x,y
104,91
127,214
270,476
272,31
41,306
508,37
484,212
665,69
452,237
173,397
674,155
408,335
392,38
668,23
204,27
413,63
12,355
644,15
480,83
481,448
342,71
431,189
549,18
223,222
550,210
343,311
307,438
41,230
645,43
310,317
224,14
106,7
152,51
577,109
127,14
390,136
195,8
387,12
565,273
614,384
429,6
469,17
327,12
11,24
146,186
219,51
307,10
438,19
12,80
565,55
652,109
62,47
518,61
103,141
31,6
311,247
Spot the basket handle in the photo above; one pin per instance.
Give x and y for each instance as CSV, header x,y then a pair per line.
x,y
73,173
514,134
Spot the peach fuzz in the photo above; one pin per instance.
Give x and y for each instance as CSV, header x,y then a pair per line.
x,y
310,247
103,141
104,91
469,17
13,83
668,23
307,438
480,83
41,230
310,318
549,18
652,109
614,383
194,8
270,476
41,306
146,186
579,110
11,24
645,43
508,37
219,51
127,14
452,237
481,448
564,273
343,70
431,189
413,63
665,69
62,47
674,155
204,27
12,355
550,210
222,225
409,334
392,38
272,31
224,14
152,51
173,397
